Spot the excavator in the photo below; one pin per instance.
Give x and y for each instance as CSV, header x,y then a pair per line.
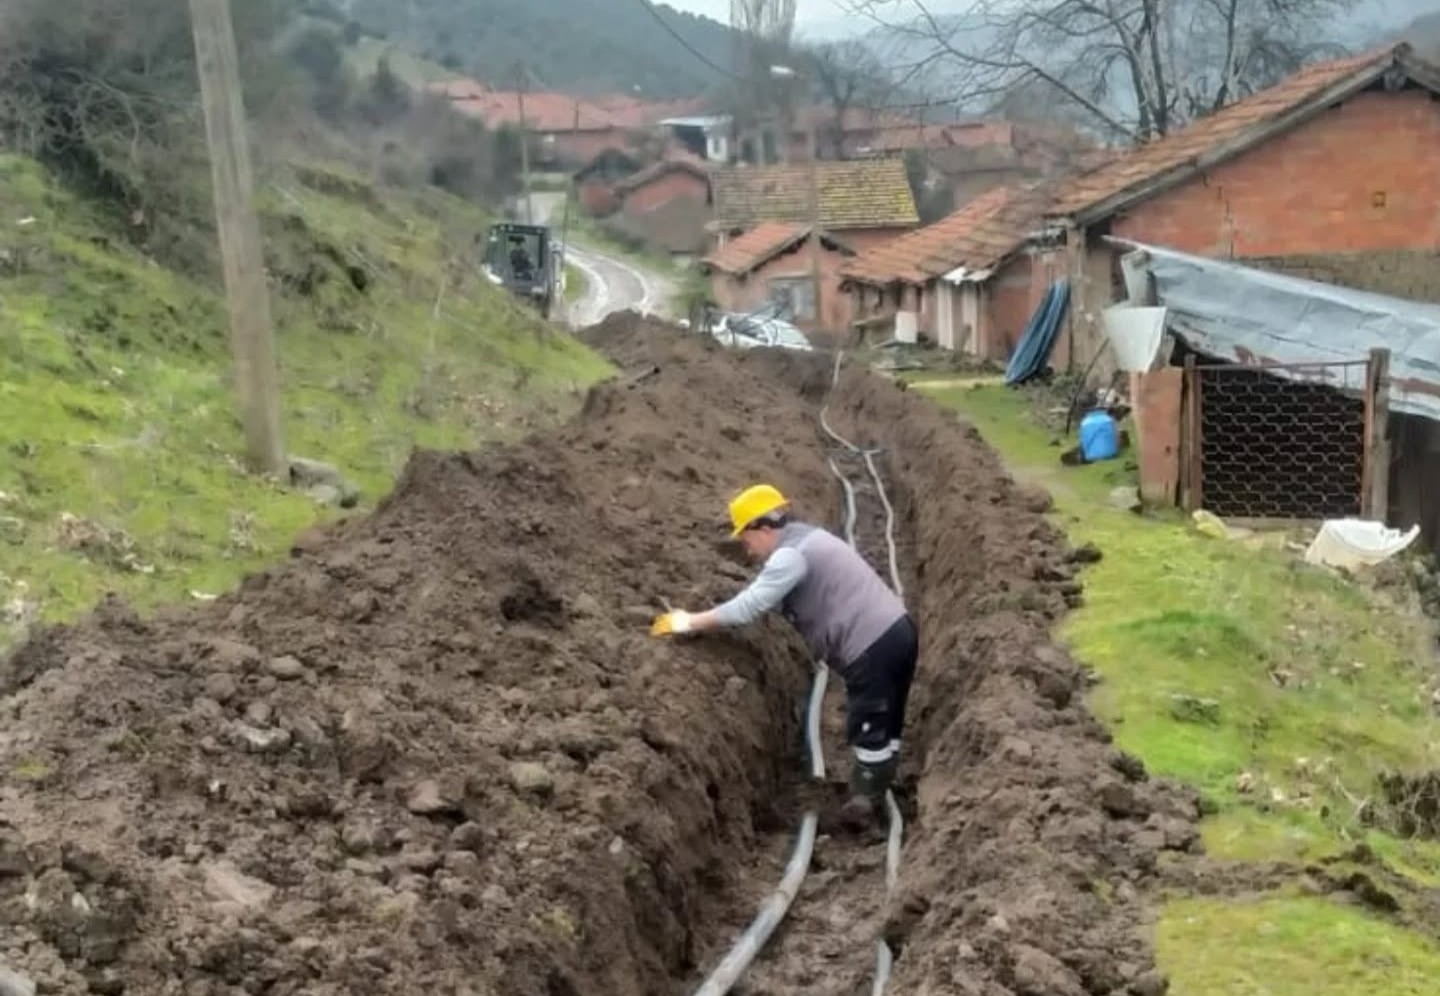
x,y
521,258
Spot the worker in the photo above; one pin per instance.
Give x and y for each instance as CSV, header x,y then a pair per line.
x,y
850,618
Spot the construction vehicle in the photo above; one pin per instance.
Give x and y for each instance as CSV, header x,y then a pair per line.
x,y
521,258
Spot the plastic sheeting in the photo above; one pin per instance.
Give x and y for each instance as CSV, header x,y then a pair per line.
x,y
1244,315
1032,352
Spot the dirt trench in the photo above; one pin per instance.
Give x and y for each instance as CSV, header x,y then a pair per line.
x,y
436,751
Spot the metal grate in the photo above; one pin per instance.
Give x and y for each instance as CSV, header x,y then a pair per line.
x,y
1283,442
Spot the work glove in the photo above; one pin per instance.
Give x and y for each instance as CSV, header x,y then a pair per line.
x,y
671,623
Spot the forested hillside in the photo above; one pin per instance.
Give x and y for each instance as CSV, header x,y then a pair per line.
x,y
581,45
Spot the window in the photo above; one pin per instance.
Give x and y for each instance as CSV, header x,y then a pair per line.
x,y
795,297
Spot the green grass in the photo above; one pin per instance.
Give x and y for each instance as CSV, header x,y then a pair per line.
x,y
1278,690
1287,946
115,406
575,285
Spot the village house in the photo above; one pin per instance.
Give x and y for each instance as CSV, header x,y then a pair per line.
x,y
565,130
772,263
859,204
966,282
1330,174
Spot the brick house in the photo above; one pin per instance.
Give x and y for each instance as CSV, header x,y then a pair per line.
x,y
595,181
969,280
860,204
662,182
1334,172
772,262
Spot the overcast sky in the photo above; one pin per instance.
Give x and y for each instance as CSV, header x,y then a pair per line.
x,y
829,14
808,12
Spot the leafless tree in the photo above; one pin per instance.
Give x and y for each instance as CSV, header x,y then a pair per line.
x,y
846,76
1135,68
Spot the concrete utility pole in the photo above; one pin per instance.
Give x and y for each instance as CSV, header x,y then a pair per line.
x,y
251,335
524,143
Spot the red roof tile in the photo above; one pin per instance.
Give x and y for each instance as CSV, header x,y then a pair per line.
x,y
677,161
978,236
766,240
1237,126
547,111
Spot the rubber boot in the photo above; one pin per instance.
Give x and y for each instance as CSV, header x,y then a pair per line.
x,y
868,784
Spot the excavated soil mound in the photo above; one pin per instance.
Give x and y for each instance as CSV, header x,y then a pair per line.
x,y
437,752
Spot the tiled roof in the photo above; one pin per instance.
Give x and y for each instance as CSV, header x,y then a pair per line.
x,y
863,193
766,240
1229,127
554,112
978,236
654,171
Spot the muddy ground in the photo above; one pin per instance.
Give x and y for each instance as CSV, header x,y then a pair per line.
x,y
436,751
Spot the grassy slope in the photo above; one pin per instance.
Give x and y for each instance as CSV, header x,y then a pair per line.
x,y
115,407
1307,688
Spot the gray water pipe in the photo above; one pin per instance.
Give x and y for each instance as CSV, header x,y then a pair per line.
x,y
884,957
747,947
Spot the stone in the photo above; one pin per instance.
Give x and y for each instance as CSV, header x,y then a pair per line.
x,y
532,777
262,741
285,668
469,837
221,687
428,799
14,984
1120,800
1152,983
587,605
227,886
1038,973
259,713
359,838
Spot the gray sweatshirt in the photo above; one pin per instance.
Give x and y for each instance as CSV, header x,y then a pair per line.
x,y
825,589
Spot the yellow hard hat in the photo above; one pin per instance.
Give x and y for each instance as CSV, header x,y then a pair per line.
x,y
752,503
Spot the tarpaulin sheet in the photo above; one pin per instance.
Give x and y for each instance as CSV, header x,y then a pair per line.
x,y
1245,315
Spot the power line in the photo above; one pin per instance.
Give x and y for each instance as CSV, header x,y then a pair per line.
x,y
650,8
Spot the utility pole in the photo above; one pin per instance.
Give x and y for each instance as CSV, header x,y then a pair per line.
x,y
248,297
815,220
524,143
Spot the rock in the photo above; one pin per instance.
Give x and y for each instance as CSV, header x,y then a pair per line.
x,y
232,655
469,837
309,473
262,741
221,687
285,668
1038,973
427,799
359,838
1034,498
1152,983
587,605
1120,800
531,777
225,885
13,860
465,865
495,897
15,984
424,862
259,713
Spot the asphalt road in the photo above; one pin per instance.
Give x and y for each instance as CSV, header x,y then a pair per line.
x,y
612,282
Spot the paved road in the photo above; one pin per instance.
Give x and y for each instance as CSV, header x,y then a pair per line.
x,y
612,282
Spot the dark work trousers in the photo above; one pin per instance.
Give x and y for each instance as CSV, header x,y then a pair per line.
x,y
877,685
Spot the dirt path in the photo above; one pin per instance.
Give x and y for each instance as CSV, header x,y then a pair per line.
x,y
437,751
613,283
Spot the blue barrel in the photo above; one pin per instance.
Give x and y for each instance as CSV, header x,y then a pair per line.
x,y
1099,438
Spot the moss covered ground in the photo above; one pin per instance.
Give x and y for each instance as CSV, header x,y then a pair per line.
x,y
1279,690
119,437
